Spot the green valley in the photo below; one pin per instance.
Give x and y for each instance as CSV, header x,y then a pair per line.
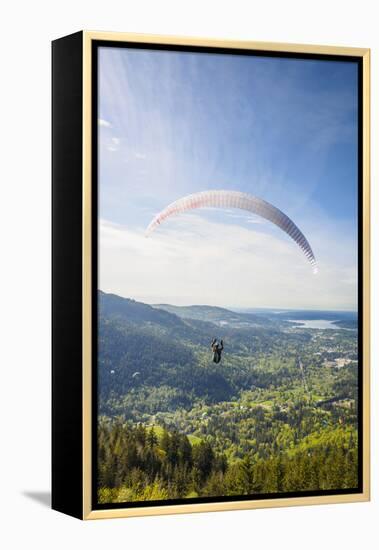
x,y
277,415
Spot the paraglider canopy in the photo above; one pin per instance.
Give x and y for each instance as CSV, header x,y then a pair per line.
x,y
243,201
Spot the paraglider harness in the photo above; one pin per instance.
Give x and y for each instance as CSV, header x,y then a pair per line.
x,y
217,348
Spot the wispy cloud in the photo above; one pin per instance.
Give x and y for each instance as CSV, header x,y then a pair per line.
x,y
140,156
193,260
104,123
113,144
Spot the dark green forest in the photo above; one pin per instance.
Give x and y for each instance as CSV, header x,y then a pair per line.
x,y
277,415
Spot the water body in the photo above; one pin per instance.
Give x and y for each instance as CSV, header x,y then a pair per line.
x,y
321,324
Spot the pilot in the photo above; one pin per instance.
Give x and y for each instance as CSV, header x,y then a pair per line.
x,y
217,348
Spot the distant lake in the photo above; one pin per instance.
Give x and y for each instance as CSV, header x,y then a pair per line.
x,y
315,323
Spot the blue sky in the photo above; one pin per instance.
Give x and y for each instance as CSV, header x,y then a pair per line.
x,y
285,130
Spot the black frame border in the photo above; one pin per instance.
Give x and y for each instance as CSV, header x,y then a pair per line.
x,y
67,255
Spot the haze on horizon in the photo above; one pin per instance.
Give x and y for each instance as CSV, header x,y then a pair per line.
x,y
234,308
285,130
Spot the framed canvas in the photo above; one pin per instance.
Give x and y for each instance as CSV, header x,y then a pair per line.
x,y
210,275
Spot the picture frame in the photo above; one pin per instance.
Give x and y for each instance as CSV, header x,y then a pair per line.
x,y
76,204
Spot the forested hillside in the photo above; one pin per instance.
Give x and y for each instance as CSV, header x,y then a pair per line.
x,y
278,414
135,463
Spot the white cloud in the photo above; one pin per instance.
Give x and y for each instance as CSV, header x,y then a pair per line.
x,y
104,123
193,260
114,144
140,156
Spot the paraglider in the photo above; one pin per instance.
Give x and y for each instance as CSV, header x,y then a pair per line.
x,y
217,348
135,374
243,201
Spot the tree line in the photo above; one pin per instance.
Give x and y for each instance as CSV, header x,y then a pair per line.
x,y
137,464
